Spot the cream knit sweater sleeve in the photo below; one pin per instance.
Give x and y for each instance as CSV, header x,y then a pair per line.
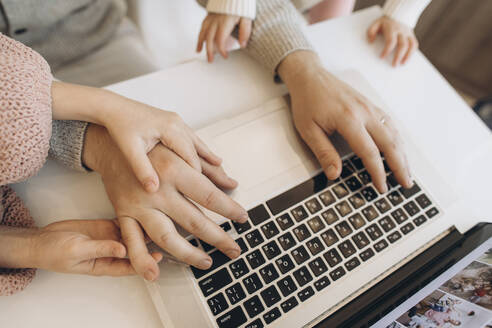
x,y
405,11
243,8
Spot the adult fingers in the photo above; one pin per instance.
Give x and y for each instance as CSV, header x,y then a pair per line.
x,y
401,49
135,154
217,175
163,232
413,44
200,189
188,216
362,144
204,151
184,147
223,31
245,26
111,267
324,150
145,265
388,141
373,31
94,249
390,40
210,42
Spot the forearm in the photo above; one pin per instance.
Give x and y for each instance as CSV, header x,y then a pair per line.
x,y
16,246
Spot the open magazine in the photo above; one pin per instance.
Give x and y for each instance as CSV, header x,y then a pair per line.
x,y
460,297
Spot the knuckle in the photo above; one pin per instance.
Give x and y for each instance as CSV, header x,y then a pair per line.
x,y
197,227
166,238
211,198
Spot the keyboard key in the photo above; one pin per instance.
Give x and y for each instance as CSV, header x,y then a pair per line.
x,y
238,268
347,169
353,183
299,213
419,220
268,273
366,254
270,296
302,232
321,283
206,247
232,319
395,198
316,224
242,245
337,273
330,216
382,205
407,193
364,177
432,212
258,214
302,276
226,226
329,237
253,306
269,230
387,223
423,201
298,194
407,228
286,241
332,257
343,208
374,232
343,229
315,246
241,227
300,254
360,240
411,208
347,248
356,221
305,293
285,221
340,190
252,283
369,194
352,263
286,286
394,236
357,162
218,259
284,263
271,249
313,205
255,324
399,215
255,259
235,293
370,213
380,245
327,198
272,315
318,266
289,304
392,181
357,201
214,282
217,304
254,238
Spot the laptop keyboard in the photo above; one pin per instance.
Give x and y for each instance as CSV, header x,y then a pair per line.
x,y
299,242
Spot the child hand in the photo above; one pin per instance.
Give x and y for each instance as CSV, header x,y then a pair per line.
x,y
216,28
396,35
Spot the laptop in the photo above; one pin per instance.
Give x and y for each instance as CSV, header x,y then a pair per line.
x,y
311,245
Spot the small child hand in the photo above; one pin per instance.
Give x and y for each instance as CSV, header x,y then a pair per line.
x,y
216,28
397,36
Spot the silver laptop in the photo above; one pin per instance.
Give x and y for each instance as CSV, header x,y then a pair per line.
x,y
312,245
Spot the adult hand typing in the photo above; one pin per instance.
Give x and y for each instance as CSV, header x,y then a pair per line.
x,y
323,105
158,212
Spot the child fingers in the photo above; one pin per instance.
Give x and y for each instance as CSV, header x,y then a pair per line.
x,y
223,31
210,42
95,249
141,166
184,147
205,152
245,25
413,44
373,31
401,49
201,36
390,42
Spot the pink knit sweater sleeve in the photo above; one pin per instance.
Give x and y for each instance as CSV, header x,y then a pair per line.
x,y
25,130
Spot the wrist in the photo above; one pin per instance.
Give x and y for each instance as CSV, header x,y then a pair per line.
x,y
98,148
298,65
18,247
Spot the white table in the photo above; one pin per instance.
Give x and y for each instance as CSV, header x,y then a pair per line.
x,y
203,93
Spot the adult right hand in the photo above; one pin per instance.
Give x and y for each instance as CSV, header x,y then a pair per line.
x,y
180,186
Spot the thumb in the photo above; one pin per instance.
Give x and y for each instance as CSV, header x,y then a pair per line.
x,y
373,31
141,166
94,249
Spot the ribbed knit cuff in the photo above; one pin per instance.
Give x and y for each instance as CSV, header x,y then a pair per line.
x,y
67,143
243,8
405,11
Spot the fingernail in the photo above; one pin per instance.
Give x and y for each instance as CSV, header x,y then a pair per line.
x,y
410,182
205,264
149,275
332,171
384,189
243,218
233,253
